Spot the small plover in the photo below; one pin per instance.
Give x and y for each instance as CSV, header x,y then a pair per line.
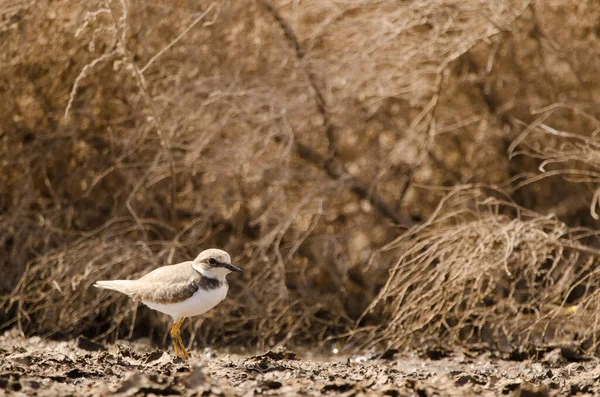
x,y
183,290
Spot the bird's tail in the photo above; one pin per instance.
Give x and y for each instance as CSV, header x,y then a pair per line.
x,y
124,286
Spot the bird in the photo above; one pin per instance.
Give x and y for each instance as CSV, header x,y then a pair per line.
x,y
182,290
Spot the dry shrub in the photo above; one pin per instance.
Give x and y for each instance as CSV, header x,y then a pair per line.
x,y
57,290
484,269
296,135
565,158
148,170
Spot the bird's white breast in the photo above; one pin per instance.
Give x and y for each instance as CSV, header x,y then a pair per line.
x,y
199,303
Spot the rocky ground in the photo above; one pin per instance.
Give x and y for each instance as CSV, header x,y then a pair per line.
x,y
81,367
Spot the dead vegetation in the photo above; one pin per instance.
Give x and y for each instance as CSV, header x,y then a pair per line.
x,y
383,173
485,270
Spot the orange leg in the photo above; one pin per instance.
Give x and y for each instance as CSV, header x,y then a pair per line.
x,y
174,337
177,341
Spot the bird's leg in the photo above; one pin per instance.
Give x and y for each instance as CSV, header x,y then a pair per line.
x,y
174,332
177,327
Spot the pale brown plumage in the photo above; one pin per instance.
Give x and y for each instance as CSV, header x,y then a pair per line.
x,y
184,282
183,290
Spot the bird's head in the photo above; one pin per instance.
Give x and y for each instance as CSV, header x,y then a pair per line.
x,y
214,263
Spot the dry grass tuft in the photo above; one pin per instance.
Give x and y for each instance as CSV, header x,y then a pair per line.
x,y
484,269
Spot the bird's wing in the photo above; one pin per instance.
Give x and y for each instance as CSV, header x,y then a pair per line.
x,y
174,273
167,284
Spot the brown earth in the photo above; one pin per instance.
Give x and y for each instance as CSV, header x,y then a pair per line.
x,y
34,366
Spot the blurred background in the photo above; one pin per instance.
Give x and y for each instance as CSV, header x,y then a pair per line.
x,y
387,173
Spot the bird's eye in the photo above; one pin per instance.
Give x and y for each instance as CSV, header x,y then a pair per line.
x,y
212,261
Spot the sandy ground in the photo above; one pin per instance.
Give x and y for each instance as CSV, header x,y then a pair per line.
x,y
80,367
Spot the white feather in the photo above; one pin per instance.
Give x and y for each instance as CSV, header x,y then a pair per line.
x,y
199,303
123,286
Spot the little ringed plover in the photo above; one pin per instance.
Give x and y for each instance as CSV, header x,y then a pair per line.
x,y
183,290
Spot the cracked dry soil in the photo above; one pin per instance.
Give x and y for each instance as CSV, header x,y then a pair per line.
x,y
32,366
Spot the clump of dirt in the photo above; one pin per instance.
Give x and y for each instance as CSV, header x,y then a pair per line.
x,y
35,366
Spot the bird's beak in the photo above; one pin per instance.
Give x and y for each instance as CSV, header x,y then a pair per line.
x,y
233,268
